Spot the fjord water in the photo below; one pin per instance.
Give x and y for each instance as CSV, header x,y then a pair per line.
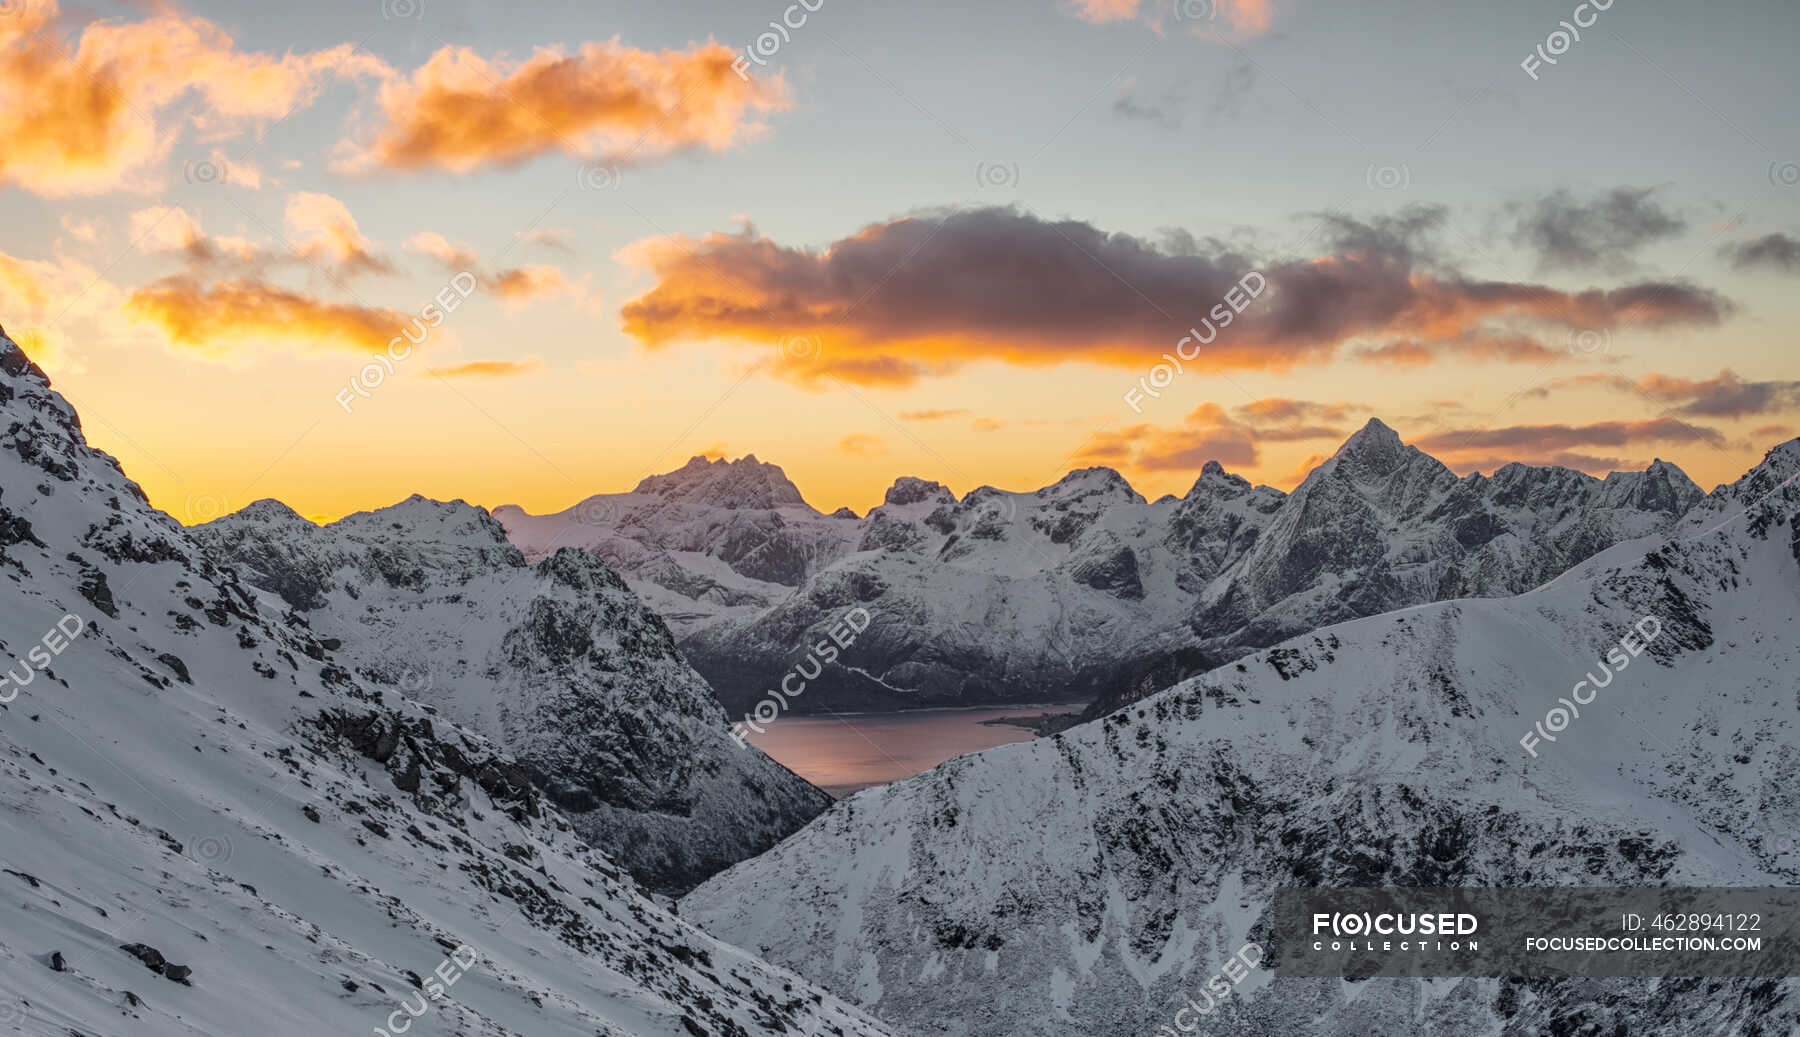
x,y
845,753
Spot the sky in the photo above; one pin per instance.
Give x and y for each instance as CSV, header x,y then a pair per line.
x,y
343,252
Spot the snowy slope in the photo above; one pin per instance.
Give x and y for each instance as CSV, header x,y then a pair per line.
x,y
558,662
1082,589
1088,884
194,773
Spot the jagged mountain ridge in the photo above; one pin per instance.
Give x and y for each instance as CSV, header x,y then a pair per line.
x,y
1082,590
557,661
1089,883
192,773
712,539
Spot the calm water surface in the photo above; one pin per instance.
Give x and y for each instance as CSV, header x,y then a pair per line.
x,y
845,753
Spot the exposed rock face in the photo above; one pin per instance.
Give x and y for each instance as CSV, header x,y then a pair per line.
x,y
558,661
1092,882
200,786
1082,590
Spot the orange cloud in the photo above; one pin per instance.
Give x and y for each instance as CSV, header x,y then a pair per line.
x,y
324,232
19,286
1102,11
1725,395
93,118
217,318
431,243
1248,17
490,368
927,294
1545,439
461,111
860,444
1211,433
43,299
170,229
1205,434
527,282
514,285
1301,471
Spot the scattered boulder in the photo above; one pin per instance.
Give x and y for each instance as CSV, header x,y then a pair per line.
x,y
155,962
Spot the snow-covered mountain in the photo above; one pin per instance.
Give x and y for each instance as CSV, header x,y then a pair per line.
x,y
1382,525
210,825
712,540
558,662
1082,590
1090,883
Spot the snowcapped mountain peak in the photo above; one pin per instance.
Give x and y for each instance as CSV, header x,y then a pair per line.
x,y
912,490
14,361
1376,448
1777,470
419,517
1096,481
744,483
272,512
1215,482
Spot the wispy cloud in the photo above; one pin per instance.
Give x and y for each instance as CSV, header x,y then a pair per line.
x,y
1602,232
489,369
462,111
1778,252
221,317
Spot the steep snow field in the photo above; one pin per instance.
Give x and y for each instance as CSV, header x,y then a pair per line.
x,y
196,773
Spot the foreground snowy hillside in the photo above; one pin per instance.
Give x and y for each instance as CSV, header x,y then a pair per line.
x,y
209,825
558,662
1082,589
1090,883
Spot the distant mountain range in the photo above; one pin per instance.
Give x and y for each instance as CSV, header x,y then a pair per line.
x,y
1088,884
1082,590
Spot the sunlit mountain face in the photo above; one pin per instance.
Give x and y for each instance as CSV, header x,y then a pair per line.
x,y
725,519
